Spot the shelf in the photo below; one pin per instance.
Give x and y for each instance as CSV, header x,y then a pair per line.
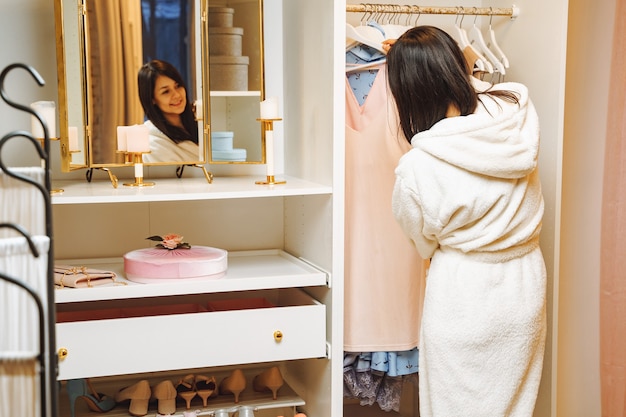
x,y
182,189
235,93
247,270
287,398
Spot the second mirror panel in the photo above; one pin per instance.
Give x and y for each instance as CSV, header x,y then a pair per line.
x,y
236,81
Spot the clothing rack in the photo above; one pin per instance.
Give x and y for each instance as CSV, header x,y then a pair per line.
x,y
46,357
512,12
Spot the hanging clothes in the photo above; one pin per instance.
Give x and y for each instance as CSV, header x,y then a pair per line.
x,y
384,275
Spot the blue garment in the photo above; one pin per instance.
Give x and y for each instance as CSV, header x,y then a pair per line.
x,y
361,81
392,363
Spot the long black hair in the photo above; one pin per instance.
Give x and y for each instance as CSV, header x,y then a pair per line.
x,y
146,79
427,74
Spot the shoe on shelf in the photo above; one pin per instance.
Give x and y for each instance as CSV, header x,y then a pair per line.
x,y
186,389
233,384
81,388
269,380
139,396
205,387
165,394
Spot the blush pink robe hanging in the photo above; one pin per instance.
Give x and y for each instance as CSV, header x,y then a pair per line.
x,y
613,262
384,275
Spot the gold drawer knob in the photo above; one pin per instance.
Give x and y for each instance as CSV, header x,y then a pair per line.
x,y
62,353
278,336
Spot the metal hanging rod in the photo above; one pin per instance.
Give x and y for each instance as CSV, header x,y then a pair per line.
x,y
512,12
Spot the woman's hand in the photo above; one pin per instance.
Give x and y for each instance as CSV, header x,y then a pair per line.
x,y
387,43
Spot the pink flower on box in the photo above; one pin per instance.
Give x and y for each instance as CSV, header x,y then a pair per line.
x,y
170,241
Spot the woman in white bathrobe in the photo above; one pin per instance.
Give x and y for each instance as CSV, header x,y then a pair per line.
x,y
468,195
171,123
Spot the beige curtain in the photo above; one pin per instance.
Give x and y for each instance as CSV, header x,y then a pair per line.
x,y
613,245
114,43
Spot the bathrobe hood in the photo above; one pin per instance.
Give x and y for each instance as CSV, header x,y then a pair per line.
x,y
500,139
471,183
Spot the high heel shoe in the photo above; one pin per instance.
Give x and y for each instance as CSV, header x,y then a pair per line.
x,y
186,389
139,396
269,380
165,393
233,384
81,388
205,387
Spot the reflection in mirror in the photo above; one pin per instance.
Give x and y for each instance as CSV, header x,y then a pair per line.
x,y
236,81
102,44
120,36
171,125
100,47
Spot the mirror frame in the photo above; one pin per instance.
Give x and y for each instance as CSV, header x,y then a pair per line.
x,y
66,45
61,34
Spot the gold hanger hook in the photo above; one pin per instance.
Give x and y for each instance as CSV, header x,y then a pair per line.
x,y
419,13
407,21
490,15
461,15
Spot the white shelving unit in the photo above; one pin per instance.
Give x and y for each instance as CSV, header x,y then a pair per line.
x,y
285,246
129,317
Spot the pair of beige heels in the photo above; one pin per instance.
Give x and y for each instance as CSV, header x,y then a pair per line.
x,y
141,393
200,385
268,380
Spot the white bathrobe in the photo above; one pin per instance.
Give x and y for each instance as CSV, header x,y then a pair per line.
x,y
163,149
468,195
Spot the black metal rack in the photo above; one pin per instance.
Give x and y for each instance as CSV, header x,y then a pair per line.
x,y
46,357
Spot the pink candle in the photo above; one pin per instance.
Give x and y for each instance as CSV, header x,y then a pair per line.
x,y
138,139
121,138
73,138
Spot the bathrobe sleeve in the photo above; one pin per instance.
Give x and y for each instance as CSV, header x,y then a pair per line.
x,y
408,212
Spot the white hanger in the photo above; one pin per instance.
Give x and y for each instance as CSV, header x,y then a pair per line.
x,y
482,63
366,35
493,44
477,38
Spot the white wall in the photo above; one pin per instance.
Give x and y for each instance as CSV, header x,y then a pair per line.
x,y
26,36
588,66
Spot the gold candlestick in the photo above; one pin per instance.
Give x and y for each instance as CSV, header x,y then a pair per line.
x,y
137,161
268,150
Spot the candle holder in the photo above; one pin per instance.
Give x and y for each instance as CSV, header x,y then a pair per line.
x,y
54,190
137,160
268,149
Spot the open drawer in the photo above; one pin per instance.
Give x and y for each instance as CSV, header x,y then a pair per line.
x,y
204,330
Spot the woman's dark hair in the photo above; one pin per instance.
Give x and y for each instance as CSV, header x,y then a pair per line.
x,y
427,73
146,79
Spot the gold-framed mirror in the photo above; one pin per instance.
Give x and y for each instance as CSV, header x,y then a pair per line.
x,y
101,46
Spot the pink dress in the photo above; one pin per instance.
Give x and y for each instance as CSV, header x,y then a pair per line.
x,y
384,275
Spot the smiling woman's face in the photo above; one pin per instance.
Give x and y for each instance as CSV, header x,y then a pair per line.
x,y
169,96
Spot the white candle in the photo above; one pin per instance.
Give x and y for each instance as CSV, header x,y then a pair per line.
x,y
121,138
269,108
198,109
73,138
139,170
138,139
269,152
47,111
